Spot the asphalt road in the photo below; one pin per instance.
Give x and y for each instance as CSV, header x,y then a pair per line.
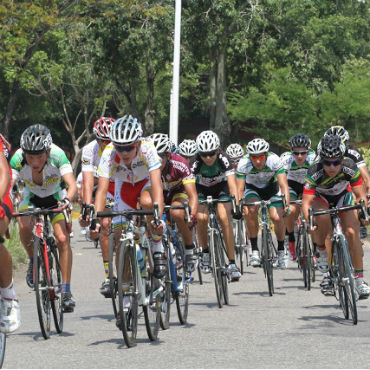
x,y
293,329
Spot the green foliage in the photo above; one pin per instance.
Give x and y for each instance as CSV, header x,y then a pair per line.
x,y
15,246
365,150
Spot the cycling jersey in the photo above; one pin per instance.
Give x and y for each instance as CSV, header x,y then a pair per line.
x,y
260,178
175,174
212,175
56,166
296,172
355,155
318,181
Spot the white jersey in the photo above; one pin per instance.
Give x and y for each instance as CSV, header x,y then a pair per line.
x,y
147,160
56,166
260,178
296,172
91,155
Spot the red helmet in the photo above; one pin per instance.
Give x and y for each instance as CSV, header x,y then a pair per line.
x,y
102,127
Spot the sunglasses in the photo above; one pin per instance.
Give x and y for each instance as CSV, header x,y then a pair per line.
x,y
127,148
258,157
208,154
300,153
332,163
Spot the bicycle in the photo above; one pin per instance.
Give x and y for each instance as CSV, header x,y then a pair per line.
x,y
177,280
217,250
268,250
240,235
341,269
133,280
304,249
46,269
2,348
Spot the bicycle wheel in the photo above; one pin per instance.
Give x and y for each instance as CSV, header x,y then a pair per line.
x,y
152,306
221,250
347,279
337,271
165,295
182,293
127,316
307,255
112,273
2,348
267,258
195,241
239,246
56,293
41,283
216,271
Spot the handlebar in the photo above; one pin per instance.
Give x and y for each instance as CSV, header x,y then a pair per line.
x,y
33,211
185,207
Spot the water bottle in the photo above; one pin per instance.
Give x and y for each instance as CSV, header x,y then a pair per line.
x,y
140,259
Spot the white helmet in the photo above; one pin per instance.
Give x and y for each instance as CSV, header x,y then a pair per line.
x,y
188,148
207,141
235,151
126,130
338,130
257,146
161,142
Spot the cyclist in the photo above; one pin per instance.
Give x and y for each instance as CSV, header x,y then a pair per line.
x,y
259,175
235,152
356,156
215,176
179,186
134,165
90,159
10,318
296,163
327,185
188,149
42,166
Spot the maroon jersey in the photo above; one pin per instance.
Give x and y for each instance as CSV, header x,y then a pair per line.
x,y
175,174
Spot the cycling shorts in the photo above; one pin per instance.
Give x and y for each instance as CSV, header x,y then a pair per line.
x,y
344,199
218,191
271,192
295,189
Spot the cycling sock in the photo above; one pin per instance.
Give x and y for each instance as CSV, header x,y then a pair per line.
x,y
281,245
157,245
231,262
66,288
291,236
8,292
359,273
254,244
189,249
106,269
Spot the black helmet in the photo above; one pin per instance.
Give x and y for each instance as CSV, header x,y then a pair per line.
x,y
300,141
331,146
36,139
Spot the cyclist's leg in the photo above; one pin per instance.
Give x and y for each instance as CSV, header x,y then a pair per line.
x,y
202,228
9,307
290,221
251,219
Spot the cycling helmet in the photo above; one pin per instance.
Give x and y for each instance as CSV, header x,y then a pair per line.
x,y
257,146
207,141
102,127
340,131
331,146
235,151
161,142
36,139
188,148
300,141
126,130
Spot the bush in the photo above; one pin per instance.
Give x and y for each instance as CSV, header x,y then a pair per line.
x,y
366,154
15,246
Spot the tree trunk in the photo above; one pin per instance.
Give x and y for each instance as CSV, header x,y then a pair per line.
x,y
212,93
149,109
10,108
222,123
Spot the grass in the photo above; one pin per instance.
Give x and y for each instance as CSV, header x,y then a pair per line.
x,y
15,246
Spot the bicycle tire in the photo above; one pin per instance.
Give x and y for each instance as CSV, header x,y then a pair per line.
x,y
308,260
112,274
239,246
337,270
222,263
56,281
166,294
152,310
215,269
266,252
349,284
2,348
195,241
127,319
41,284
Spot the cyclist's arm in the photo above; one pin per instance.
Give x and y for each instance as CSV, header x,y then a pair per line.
x,y
87,186
283,183
232,187
157,188
101,194
365,177
191,191
4,176
307,200
359,192
240,185
70,181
